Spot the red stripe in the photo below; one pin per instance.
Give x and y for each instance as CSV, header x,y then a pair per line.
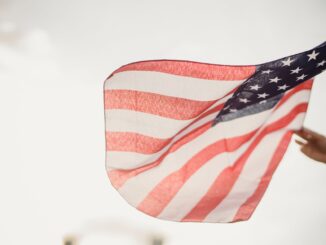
x,y
161,105
133,142
119,177
191,69
159,197
225,181
246,209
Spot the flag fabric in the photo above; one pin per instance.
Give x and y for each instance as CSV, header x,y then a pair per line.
x,y
190,141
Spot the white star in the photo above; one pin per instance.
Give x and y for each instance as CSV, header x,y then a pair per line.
x,y
226,107
313,55
255,87
296,70
287,62
274,80
245,100
266,71
262,102
321,63
264,95
301,77
283,87
233,110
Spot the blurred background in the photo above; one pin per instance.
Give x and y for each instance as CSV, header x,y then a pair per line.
x,y
54,57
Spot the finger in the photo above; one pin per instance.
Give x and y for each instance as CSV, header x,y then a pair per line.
x,y
312,153
312,134
299,142
299,132
305,135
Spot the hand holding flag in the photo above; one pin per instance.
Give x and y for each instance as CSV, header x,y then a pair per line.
x,y
314,144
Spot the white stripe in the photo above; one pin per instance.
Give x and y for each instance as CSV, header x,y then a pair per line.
x,y
143,123
171,85
249,178
138,187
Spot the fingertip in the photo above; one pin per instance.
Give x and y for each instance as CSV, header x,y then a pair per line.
x,y
299,142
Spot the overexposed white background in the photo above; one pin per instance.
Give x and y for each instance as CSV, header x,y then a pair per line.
x,y
54,57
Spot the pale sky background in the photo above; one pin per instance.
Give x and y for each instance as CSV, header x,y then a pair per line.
x,y
54,57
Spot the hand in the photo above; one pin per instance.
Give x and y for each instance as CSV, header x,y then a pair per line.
x,y
314,144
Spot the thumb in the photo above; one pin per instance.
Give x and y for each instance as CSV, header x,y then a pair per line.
x,y
311,152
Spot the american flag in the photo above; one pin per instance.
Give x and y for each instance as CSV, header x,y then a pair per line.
x,y
190,141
